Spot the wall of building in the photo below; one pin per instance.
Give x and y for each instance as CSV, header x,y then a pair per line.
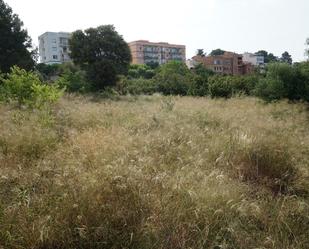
x,y
144,52
54,47
229,63
256,60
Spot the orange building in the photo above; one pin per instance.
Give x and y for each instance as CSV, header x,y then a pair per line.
x,y
144,52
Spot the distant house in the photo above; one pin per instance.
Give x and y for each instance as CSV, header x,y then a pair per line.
x,y
191,63
144,52
54,47
228,63
255,60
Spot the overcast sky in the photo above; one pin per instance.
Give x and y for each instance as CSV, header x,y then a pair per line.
x,y
234,25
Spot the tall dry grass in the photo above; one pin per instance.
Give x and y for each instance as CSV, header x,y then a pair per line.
x,y
155,172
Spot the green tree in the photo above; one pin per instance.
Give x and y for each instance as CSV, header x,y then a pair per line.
x,y
199,86
286,58
153,65
15,44
200,52
72,78
140,71
302,70
268,57
272,58
102,53
220,86
48,71
284,81
174,77
263,53
217,51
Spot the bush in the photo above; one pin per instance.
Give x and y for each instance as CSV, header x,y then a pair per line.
x,y
48,72
303,70
137,86
199,86
284,81
220,86
26,89
108,93
140,71
243,84
174,78
73,79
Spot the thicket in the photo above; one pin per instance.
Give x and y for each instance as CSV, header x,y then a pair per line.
x,y
285,81
277,81
26,89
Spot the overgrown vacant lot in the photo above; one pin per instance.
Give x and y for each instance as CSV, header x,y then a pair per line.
x,y
155,172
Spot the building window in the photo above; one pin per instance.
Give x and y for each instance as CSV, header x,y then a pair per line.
x,y
63,41
54,41
54,49
55,57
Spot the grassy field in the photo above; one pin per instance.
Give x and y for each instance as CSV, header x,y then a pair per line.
x,y
155,172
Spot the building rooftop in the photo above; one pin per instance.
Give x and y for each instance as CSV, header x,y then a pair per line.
x,y
50,32
155,43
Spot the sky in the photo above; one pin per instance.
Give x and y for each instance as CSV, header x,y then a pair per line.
x,y
233,25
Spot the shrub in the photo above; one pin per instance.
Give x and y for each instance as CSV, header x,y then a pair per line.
x,y
220,86
284,81
26,89
141,71
303,71
73,80
173,78
270,89
47,72
108,93
199,86
137,86
243,84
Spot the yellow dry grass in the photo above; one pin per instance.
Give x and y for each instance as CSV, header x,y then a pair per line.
x,y
155,172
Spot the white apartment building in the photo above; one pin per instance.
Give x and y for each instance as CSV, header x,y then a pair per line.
x,y
256,60
54,47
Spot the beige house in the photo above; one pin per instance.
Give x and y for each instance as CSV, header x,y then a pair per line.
x,y
144,52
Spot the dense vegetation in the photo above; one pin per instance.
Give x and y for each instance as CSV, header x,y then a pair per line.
x,y
155,172
277,81
27,90
15,44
